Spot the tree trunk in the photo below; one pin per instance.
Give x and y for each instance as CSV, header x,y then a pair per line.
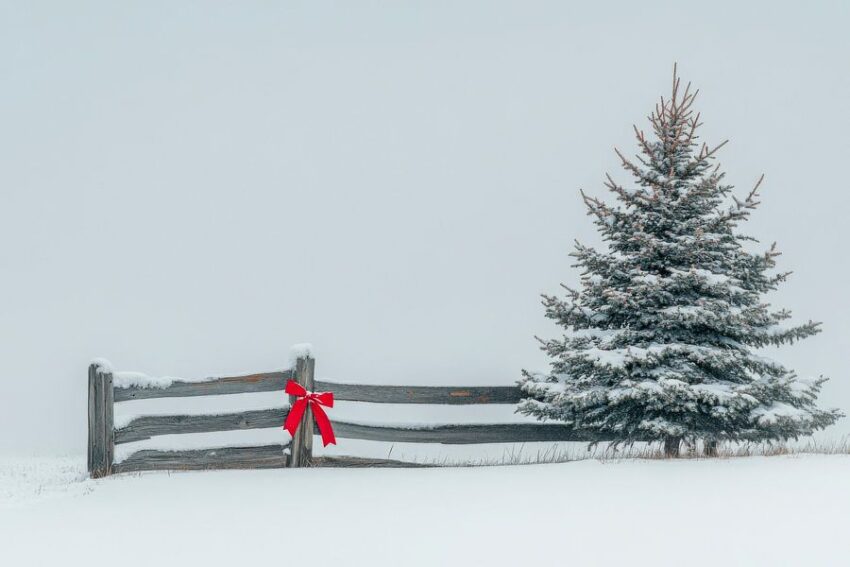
x,y
709,448
671,447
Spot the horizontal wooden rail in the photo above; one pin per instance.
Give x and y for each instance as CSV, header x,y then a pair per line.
x,y
263,382
365,462
264,457
451,395
463,434
147,426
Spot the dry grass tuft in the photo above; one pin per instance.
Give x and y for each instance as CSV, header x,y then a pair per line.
x,y
517,455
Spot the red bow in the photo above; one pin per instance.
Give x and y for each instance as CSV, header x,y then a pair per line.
x,y
316,401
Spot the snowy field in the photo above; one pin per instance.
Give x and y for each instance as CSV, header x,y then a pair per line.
x,y
187,189
740,511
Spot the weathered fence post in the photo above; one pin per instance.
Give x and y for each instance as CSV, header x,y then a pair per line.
x,y
101,445
301,449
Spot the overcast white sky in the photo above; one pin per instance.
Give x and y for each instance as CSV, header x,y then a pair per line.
x,y
188,188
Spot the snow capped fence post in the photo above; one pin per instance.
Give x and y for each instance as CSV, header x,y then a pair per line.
x,y
101,446
301,448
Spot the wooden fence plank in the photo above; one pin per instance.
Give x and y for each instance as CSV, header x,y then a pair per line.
x,y
108,419
264,457
95,442
100,434
147,426
463,434
302,442
363,462
452,395
262,382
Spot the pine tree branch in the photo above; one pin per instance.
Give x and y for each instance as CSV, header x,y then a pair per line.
x,y
644,144
640,175
754,193
706,154
624,195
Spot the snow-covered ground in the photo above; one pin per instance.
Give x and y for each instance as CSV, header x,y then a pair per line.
x,y
740,511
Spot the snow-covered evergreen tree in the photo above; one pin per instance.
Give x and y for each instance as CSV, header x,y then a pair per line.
x,y
662,334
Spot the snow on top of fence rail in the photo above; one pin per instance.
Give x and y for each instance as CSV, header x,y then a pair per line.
x,y
142,380
129,379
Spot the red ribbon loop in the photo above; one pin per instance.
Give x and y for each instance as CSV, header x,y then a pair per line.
x,y
316,400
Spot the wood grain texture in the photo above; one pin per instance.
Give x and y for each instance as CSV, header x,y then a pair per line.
x,y
451,395
95,444
145,427
463,434
302,441
100,448
263,457
262,382
361,462
108,419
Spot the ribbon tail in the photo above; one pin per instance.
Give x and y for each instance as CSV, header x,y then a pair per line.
x,y
324,425
293,418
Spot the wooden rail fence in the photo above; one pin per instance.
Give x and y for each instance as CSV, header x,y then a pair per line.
x,y
103,436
